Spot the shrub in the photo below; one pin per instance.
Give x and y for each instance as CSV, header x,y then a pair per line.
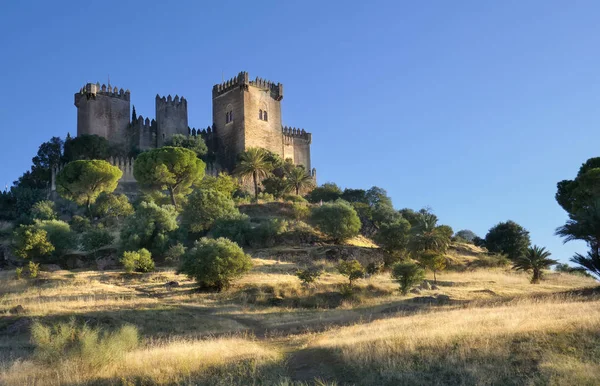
x,y
33,269
266,197
91,347
235,228
19,272
140,261
326,192
31,242
434,261
309,275
266,233
80,224
407,274
352,269
299,232
112,208
393,238
491,261
174,253
223,183
204,207
294,198
337,220
374,267
59,234
215,263
467,235
149,227
43,210
94,239
508,238
300,211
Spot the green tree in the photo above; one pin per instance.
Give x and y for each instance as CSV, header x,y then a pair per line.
x,y
338,220
298,179
393,238
433,261
352,269
87,147
149,227
138,261
427,235
466,235
43,210
96,238
49,156
84,181
215,263
112,208
172,168
407,274
204,207
254,163
31,242
193,143
309,275
326,193
236,228
60,236
534,260
277,186
508,238
223,183
355,195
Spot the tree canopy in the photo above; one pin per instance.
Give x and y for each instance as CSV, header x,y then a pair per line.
x,y
87,147
193,143
255,164
508,238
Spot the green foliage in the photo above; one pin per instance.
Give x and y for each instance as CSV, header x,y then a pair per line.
x,y
48,156
394,238
352,269
411,216
223,183
566,268
215,263
19,273
149,227
59,234
83,181
43,210
80,224
16,204
193,143
87,147
33,269
300,211
96,238
112,208
427,235
327,192
578,194
204,207
433,261
534,260
255,164
407,274
174,253
508,238
90,347
384,214
355,195
140,261
172,168
309,275
299,180
466,235
295,199
493,260
236,228
337,220
276,186
266,233
446,231
31,242
265,197
375,267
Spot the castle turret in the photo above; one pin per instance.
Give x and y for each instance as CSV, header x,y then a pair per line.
x,y
103,111
171,118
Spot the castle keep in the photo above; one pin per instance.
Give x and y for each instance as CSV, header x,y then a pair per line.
x,y
246,113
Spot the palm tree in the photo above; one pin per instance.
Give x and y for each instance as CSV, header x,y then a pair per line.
x,y
427,236
591,262
298,179
534,260
254,163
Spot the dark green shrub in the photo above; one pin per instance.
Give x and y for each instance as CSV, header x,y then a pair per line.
x,y
150,227
80,224
140,261
60,235
96,238
294,198
352,269
492,260
204,207
43,210
407,274
309,275
215,263
375,267
337,220
31,242
235,228
266,233
112,208
174,253
326,193
301,211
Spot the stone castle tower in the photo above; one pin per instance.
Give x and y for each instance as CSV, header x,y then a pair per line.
x,y
245,114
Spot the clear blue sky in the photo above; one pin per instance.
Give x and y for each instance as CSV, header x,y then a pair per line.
x,y
473,108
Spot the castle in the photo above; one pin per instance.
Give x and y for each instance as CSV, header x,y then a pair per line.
x,y
246,113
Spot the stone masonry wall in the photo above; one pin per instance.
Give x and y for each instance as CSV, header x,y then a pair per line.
x,y
103,113
261,133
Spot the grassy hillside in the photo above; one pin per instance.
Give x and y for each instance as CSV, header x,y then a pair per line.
x,y
483,326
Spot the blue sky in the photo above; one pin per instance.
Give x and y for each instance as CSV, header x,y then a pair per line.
x,y
475,109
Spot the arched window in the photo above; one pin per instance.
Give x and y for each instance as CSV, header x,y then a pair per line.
x,y
260,114
265,115
227,117
231,116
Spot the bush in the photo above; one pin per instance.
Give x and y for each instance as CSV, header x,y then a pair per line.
x,y
467,235
393,238
19,273
326,192
91,347
491,261
266,233
215,263
352,269
174,253
337,220
266,197
299,232
31,242
33,270
223,183
149,227
407,274
112,208
59,234
300,211
43,210
309,275
374,267
204,207
94,239
140,261
294,198
80,224
235,228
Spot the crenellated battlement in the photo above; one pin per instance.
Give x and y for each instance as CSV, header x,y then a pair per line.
x,y
201,132
170,101
290,133
91,90
242,81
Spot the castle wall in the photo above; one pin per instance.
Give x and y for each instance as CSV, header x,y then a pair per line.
x,y
296,146
261,133
103,111
143,133
230,135
171,118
